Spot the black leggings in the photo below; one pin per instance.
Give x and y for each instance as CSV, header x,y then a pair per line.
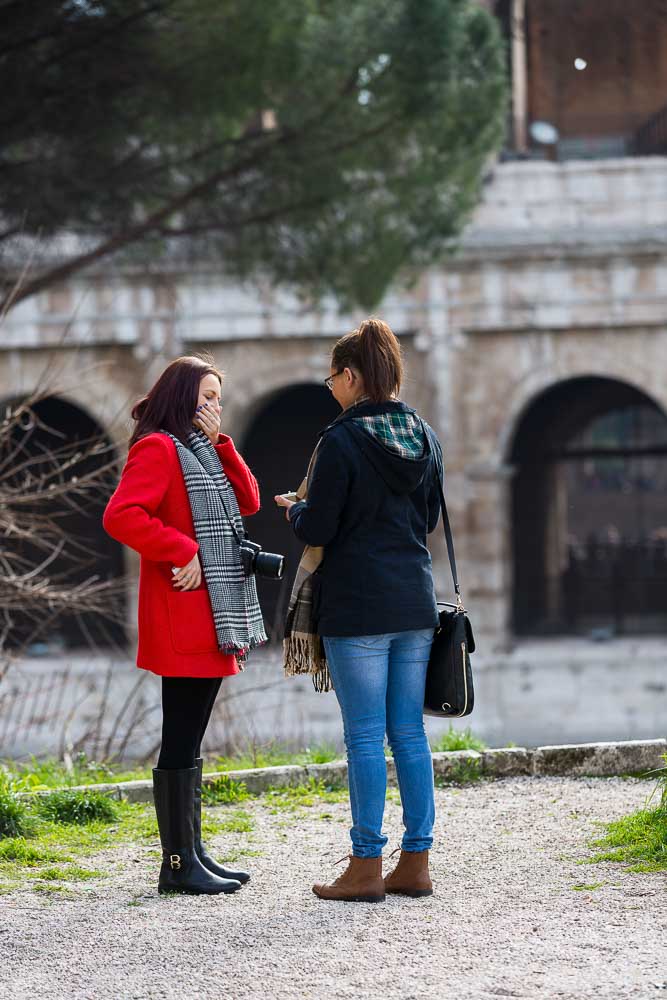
x,y
187,703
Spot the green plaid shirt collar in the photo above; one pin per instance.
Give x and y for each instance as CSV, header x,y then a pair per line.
x,y
400,432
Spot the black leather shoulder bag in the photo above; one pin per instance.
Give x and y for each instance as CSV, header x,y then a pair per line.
x,y
449,686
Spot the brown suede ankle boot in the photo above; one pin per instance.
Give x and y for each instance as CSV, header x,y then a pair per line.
x,y
410,877
361,882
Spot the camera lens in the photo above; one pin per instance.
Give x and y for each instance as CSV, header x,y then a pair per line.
x,y
270,564
248,551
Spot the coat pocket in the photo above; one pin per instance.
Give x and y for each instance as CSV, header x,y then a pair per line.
x,y
191,622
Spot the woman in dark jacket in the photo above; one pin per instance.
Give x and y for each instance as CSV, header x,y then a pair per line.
x,y
198,614
372,499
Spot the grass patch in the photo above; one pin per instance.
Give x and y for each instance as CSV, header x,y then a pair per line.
x,y
39,775
48,888
76,808
323,753
274,755
463,772
59,847
20,852
458,739
231,857
57,843
70,873
661,789
238,821
639,840
35,775
14,821
314,792
224,790
583,887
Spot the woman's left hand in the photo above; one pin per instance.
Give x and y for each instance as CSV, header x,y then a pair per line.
x,y
284,502
187,577
208,422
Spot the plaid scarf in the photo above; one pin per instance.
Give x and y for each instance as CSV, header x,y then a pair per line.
x,y
218,529
303,649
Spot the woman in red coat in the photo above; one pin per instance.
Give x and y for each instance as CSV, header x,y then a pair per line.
x,y
198,611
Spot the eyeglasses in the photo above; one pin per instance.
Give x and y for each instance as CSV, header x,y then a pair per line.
x,y
329,381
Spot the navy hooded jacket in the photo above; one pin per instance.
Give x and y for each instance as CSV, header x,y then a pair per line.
x,y
371,503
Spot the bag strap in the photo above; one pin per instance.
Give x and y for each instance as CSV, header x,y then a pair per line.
x,y
445,520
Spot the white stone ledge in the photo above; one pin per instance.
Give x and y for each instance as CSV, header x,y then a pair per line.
x,y
579,240
630,757
599,759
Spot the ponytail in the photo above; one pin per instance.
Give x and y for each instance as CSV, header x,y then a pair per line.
x,y
375,352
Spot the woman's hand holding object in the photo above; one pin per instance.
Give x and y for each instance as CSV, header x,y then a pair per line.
x,y
187,577
282,501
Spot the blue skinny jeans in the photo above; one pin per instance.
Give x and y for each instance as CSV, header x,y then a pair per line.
x,y
379,682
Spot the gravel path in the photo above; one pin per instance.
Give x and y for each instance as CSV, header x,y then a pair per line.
x,y
505,920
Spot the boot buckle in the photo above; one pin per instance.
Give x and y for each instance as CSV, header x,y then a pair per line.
x,y
175,861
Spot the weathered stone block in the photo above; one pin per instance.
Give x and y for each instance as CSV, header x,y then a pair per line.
x,y
258,779
136,791
627,757
505,762
457,765
110,789
333,773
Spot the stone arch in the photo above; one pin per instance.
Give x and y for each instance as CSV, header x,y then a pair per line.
x,y
540,380
60,421
244,416
279,438
588,526
103,384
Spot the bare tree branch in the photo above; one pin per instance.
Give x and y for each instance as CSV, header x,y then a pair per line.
x,y
46,570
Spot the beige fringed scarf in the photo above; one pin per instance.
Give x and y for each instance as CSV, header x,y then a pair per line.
x,y
303,648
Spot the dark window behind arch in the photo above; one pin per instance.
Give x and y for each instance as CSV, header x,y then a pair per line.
x,y
589,512
277,447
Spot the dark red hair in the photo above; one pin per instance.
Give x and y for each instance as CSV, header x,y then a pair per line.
x,y
171,403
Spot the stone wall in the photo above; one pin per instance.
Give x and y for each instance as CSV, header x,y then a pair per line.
x,y
562,273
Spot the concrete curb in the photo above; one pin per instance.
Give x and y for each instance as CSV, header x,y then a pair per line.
x,y
576,760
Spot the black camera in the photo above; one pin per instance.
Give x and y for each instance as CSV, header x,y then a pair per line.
x,y
254,560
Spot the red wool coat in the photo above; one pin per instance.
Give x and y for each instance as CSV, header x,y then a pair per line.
x,y
150,512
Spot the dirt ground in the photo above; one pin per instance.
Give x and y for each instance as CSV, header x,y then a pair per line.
x,y
515,913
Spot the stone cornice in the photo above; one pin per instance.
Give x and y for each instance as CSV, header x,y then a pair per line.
x,y
517,244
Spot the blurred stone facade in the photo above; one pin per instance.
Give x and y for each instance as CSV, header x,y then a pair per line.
x,y
561,275
537,351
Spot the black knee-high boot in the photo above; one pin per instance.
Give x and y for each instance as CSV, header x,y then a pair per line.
x,y
182,871
202,853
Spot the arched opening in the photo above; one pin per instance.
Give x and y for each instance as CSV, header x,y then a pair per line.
x,y
54,440
277,447
588,512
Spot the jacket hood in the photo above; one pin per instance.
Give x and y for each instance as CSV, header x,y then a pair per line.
x,y
392,437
